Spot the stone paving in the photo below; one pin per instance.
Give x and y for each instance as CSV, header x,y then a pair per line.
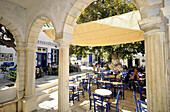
x,y
51,104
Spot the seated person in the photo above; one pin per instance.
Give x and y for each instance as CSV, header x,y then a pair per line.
x,y
128,76
54,67
135,78
118,77
48,68
128,79
78,68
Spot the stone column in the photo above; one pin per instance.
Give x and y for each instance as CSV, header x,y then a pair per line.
x,y
165,13
20,82
156,76
63,82
29,101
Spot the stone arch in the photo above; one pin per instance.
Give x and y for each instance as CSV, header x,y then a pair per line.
x,y
147,8
14,30
35,29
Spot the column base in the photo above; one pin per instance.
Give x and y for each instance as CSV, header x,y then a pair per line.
x,y
69,110
29,104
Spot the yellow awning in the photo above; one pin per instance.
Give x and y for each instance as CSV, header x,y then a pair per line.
x,y
50,33
110,31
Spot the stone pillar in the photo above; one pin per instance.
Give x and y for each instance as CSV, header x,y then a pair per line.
x,y
156,76
29,101
165,13
63,82
20,82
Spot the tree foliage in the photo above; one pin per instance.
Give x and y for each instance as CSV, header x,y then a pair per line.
x,y
102,9
6,37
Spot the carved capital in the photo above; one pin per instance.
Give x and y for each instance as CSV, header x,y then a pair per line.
x,y
151,25
63,42
166,12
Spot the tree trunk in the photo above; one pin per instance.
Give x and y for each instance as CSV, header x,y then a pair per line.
x,y
115,64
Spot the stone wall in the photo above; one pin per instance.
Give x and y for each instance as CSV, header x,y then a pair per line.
x,y
9,107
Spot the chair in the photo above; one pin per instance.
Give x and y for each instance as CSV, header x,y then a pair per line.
x,y
80,88
87,75
86,83
73,94
121,87
100,85
107,79
135,101
142,92
114,105
91,79
77,77
108,86
99,104
142,106
90,97
72,80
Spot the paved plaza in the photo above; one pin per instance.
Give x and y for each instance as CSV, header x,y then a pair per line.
x,y
50,104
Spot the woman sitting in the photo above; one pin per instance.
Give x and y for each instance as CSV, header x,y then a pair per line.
x,y
118,77
135,78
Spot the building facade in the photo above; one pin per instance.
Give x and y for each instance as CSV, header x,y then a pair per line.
x,y
46,53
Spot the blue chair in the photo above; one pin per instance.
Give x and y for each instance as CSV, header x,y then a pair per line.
x,y
135,101
99,104
87,75
91,79
142,106
90,97
100,85
142,92
80,88
73,93
113,105
86,83
77,77
106,79
108,86
121,87
72,80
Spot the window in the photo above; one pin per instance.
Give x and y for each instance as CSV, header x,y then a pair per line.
x,y
54,56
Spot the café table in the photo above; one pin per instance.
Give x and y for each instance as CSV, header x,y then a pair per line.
x,y
114,83
73,85
141,79
103,92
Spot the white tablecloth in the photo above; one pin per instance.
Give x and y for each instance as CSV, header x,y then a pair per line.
x,y
103,92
